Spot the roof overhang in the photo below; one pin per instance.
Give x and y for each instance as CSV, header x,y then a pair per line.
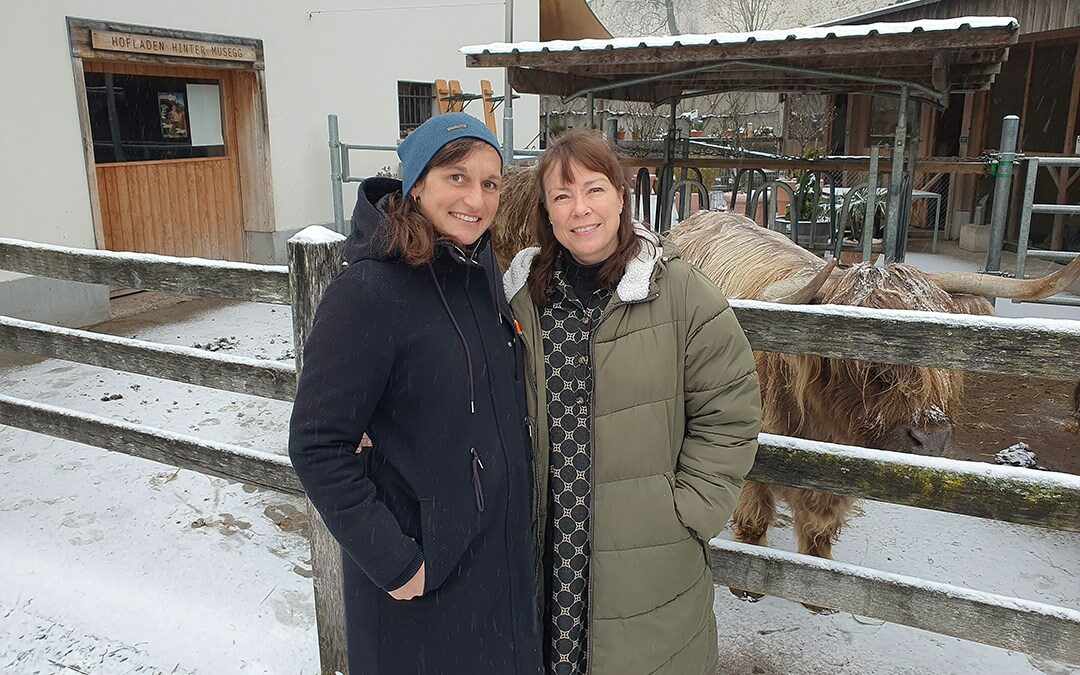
x,y
932,58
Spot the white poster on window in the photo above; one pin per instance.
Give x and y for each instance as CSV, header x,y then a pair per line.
x,y
204,114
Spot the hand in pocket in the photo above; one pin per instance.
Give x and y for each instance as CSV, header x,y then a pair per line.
x,y
413,588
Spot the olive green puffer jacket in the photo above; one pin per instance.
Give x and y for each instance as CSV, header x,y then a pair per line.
x,y
675,415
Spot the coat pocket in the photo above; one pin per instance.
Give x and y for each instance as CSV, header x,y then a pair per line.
x,y
446,535
704,544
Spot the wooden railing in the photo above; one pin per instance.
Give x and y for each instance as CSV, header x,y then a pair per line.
x,y
1036,348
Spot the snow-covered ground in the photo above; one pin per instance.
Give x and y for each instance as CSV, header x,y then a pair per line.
x,y
113,564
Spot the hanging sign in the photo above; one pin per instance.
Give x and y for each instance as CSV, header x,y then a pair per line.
x,y
156,45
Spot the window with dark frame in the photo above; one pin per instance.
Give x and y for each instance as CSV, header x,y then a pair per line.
x,y
416,105
144,118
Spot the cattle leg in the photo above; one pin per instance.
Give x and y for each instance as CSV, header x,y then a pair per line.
x,y
750,523
818,518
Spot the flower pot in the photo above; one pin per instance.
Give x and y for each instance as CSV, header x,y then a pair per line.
x,y
822,232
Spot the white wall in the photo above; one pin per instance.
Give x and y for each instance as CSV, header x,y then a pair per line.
x,y
342,61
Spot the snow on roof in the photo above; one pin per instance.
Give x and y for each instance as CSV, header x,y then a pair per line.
x,y
784,35
880,11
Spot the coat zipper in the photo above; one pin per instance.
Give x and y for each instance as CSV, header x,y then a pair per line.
x,y
592,464
533,442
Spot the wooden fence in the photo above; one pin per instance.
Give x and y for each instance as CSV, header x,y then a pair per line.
x,y
1036,348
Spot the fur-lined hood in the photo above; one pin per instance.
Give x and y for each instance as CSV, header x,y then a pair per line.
x,y
636,281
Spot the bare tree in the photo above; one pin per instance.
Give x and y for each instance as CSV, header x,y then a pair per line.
x,y
808,119
744,15
632,18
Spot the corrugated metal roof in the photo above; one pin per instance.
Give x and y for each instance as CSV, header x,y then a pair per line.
x,y
800,34
933,58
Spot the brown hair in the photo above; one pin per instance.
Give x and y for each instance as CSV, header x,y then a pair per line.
x,y
411,233
588,149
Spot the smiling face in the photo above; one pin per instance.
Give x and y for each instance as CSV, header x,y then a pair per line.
x,y
584,211
460,199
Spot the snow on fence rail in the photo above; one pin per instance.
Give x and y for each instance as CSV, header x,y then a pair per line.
x,y
1036,348
1042,348
1010,623
187,276
191,365
1041,498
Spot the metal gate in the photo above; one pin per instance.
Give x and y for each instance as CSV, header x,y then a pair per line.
x,y
1029,207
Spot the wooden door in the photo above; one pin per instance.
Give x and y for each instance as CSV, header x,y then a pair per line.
x,y
173,206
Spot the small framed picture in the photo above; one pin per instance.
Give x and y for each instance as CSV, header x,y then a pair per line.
x,y
173,111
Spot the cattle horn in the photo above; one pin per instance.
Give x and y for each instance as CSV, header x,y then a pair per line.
x,y
797,291
1001,287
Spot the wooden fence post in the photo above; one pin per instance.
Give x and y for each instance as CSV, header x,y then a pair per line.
x,y
315,257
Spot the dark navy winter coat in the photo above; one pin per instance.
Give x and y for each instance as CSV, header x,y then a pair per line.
x,y
426,361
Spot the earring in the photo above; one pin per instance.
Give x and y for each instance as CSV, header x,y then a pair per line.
x,y
416,198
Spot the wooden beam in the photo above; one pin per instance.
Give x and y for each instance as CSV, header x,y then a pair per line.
x,y
242,465
1057,234
254,377
532,81
940,69
1010,623
186,276
1026,496
1022,347
1025,99
922,165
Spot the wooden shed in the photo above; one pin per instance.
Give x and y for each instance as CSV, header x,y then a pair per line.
x,y
1040,82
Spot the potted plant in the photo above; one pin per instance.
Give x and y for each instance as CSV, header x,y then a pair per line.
x,y
856,218
813,214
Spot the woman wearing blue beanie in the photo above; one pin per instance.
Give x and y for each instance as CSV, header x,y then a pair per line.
x,y
415,345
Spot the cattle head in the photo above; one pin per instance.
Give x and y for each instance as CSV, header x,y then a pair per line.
x,y
895,407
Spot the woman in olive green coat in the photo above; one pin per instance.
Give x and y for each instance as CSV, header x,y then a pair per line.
x,y
644,408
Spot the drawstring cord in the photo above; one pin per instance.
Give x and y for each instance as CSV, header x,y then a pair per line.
x,y
478,491
477,465
461,336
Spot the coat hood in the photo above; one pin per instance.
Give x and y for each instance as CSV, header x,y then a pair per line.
x,y
635,282
370,228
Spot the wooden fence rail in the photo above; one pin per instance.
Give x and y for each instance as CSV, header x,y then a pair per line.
x,y
1010,623
1048,349
243,465
1042,348
187,276
1030,348
255,377
1027,496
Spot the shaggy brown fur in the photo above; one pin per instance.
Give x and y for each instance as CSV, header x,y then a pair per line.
x,y
834,400
517,197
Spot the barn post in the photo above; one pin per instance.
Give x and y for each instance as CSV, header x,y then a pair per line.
x,y
892,222
1003,173
315,259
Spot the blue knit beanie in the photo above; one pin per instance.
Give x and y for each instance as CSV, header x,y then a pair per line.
x,y
427,139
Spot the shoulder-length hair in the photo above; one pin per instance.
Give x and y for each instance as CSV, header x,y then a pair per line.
x,y
412,235
589,150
